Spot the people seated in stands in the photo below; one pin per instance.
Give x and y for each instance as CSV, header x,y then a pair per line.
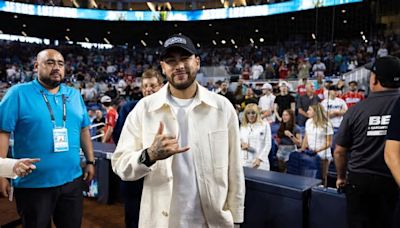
x,y
303,68
100,122
288,139
250,98
335,107
352,96
301,88
304,102
283,101
255,139
266,103
226,93
322,92
318,137
319,68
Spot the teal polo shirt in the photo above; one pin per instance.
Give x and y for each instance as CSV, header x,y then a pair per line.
x,y
23,111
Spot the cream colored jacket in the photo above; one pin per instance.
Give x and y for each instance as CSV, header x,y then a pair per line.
x,y
6,167
214,140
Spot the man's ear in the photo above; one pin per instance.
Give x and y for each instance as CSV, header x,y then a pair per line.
x,y
35,66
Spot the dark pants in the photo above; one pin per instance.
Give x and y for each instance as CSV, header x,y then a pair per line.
x,y
132,195
371,200
64,203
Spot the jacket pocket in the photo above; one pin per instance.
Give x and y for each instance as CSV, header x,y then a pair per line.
x,y
219,148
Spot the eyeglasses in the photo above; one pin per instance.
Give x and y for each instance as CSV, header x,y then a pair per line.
x,y
251,113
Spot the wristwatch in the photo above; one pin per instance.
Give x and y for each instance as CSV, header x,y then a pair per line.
x,y
145,159
90,162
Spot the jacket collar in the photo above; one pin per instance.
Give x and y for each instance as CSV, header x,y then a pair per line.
x,y
161,97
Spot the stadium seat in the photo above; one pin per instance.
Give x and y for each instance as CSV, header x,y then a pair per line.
x,y
327,208
273,160
303,164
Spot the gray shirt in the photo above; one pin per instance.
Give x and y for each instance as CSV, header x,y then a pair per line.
x,y
304,102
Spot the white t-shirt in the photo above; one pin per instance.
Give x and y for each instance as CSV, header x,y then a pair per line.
x,y
266,102
256,70
316,137
185,209
337,104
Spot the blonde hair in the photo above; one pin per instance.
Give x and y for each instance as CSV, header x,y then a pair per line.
x,y
320,119
248,108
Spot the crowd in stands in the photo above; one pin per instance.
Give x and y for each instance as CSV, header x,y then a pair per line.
x,y
116,72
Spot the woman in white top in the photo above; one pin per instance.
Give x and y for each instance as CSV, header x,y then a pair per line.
x,y
12,168
318,137
255,137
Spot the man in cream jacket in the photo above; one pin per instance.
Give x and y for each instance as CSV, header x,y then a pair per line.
x,y
185,142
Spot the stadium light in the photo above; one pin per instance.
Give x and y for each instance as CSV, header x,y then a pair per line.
x,y
343,11
106,40
210,25
24,33
176,25
15,16
261,39
160,42
366,41
144,43
236,46
198,45
344,21
108,32
251,40
363,36
146,33
68,30
313,36
361,33
232,41
292,18
67,38
87,39
1,32
214,42
256,30
223,42
216,33
24,25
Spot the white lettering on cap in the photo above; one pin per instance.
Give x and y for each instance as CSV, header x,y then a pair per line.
x,y
174,40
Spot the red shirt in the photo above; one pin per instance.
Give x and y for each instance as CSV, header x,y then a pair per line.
x,y
111,120
352,98
301,90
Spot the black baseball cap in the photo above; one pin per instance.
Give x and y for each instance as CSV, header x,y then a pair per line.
x,y
178,41
387,70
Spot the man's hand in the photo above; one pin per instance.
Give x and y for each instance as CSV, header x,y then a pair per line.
x,y
244,146
256,163
164,146
25,166
89,173
340,182
5,187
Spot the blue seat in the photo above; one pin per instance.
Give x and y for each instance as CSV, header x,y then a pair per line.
x,y
276,199
303,164
273,160
327,208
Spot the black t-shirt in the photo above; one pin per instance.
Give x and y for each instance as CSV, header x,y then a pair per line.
x,y
283,102
394,125
363,132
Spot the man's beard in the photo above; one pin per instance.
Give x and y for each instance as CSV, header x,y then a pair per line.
x,y
50,83
184,85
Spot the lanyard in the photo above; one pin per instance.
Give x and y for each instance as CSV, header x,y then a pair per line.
x,y
53,119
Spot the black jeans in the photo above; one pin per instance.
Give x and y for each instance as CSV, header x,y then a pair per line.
x,y
371,200
64,203
132,195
